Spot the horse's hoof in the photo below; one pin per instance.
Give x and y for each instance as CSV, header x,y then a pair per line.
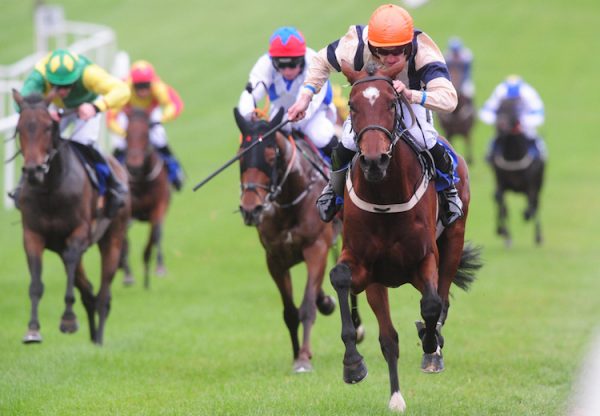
x,y
355,373
326,305
360,334
508,242
32,337
161,271
302,366
433,363
397,403
69,326
128,280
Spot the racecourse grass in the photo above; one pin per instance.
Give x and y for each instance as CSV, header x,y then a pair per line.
x,y
209,338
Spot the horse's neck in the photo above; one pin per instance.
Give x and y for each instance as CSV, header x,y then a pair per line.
x,y
299,177
514,146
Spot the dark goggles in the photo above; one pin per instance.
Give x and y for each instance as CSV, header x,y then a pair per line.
x,y
62,87
141,85
396,50
286,62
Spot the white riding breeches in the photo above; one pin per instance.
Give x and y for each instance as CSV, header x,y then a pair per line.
x,y
158,134
85,132
320,127
424,133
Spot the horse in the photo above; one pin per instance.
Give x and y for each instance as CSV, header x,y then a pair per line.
x,y
61,211
279,188
150,192
518,166
390,229
459,122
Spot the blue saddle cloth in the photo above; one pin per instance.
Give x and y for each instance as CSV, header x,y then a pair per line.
x,y
442,180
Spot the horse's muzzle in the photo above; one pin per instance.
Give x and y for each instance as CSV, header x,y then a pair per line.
x,y
35,174
374,169
252,217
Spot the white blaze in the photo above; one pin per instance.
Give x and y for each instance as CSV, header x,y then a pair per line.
x,y
371,94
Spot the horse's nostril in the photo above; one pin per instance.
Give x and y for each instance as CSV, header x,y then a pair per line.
x,y
384,159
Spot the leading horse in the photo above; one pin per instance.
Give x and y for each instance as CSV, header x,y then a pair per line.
x,y
459,122
61,211
150,192
390,230
518,166
279,188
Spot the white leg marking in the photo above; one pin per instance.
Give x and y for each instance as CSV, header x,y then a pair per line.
x,y
397,403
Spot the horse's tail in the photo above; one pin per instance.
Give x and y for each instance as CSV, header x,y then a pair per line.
x,y
470,263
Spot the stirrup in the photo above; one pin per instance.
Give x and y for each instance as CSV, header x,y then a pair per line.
x,y
327,204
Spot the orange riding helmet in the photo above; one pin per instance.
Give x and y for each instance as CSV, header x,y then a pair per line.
x,y
390,25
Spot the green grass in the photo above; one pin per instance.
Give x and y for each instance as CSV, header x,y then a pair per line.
x,y
209,339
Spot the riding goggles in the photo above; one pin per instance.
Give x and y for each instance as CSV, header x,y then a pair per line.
x,y
141,85
286,62
396,50
62,87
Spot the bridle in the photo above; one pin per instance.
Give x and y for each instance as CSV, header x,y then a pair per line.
x,y
398,128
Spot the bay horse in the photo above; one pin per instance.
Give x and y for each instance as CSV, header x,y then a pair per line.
x,y
518,166
389,229
61,211
279,186
150,192
459,122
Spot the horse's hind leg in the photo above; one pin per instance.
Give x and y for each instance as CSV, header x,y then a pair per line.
x,y
360,329
87,298
71,258
377,295
160,271
128,279
354,367
34,246
153,242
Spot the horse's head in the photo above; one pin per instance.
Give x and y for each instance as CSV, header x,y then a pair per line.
x,y
373,109
507,116
258,166
138,142
38,135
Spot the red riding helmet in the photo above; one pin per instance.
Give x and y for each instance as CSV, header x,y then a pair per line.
x,y
287,42
142,72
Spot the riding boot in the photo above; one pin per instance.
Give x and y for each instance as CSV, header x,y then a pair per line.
x,y
116,192
176,176
119,154
331,199
451,200
328,149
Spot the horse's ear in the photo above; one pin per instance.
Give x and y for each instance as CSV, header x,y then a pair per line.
x,y
277,119
393,70
50,97
240,120
17,97
349,72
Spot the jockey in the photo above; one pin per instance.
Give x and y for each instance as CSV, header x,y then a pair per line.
x,y
387,40
280,74
460,56
87,90
531,111
162,104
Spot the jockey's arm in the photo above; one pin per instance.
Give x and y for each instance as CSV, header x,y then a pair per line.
x,y
113,93
112,123
261,77
168,99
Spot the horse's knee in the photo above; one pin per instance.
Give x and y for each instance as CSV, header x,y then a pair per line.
x,y
341,276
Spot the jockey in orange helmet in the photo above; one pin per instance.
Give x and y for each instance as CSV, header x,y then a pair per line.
x,y
390,39
162,104
280,74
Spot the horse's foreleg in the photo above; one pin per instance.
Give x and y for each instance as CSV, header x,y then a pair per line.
x,y
71,258
87,297
128,279
34,246
354,367
153,238
377,295
502,229
290,313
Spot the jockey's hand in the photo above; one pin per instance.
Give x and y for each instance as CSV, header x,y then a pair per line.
x,y
54,115
298,110
402,89
86,111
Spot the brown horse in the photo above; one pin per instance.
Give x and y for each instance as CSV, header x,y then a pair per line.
x,y
389,230
61,211
460,121
279,190
150,192
518,167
